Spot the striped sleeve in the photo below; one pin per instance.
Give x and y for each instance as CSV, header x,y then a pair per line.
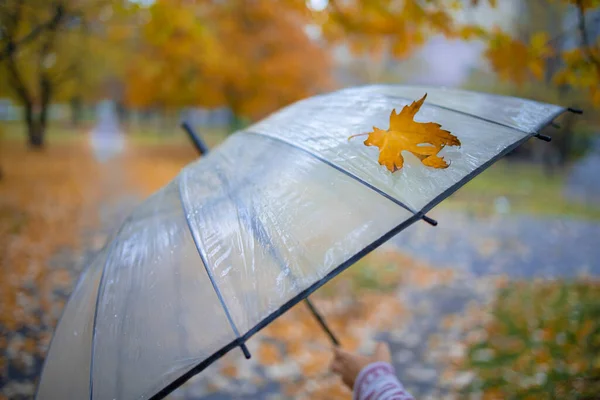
x,y
377,381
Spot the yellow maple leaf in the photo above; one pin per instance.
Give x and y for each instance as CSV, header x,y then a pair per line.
x,y
423,139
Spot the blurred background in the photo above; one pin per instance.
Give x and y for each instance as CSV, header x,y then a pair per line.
x,y
501,300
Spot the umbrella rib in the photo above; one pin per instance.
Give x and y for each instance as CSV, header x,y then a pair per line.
x,y
204,258
345,172
467,114
438,199
260,232
285,307
100,286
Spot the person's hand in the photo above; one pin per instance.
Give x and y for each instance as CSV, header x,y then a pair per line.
x,y
348,365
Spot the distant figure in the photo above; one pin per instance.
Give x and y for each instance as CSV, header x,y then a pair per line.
x,y
106,138
371,377
583,183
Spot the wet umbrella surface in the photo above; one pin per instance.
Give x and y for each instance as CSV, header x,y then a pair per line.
x,y
243,234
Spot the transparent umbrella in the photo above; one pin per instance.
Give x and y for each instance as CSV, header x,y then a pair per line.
x,y
243,234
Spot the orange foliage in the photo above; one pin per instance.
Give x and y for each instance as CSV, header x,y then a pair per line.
x,y
251,56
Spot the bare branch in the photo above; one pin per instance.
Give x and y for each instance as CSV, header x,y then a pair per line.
x,y
17,82
66,75
13,44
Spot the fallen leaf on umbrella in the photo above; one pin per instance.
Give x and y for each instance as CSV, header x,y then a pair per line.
x,y
423,139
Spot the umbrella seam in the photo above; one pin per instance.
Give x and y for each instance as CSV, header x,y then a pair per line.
x,y
491,121
334,166
203,258
100,287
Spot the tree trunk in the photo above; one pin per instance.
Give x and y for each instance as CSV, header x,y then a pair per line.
x,y
36,127
76,111
565,142
35,134
235,122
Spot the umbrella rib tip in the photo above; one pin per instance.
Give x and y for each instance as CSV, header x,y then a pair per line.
x,y
245,351
429,220
543,137
575,110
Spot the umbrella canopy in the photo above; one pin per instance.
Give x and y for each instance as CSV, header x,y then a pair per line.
x,y
243,234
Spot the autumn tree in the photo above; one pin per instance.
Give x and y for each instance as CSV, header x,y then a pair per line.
x,y
49,47
17,18
11,44
398,28
250,56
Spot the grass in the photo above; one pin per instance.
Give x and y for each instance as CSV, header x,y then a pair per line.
x,y
142,135
528,189
151,136
57,133
542,342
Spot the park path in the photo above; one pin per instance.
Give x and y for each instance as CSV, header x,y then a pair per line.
x,y
520,246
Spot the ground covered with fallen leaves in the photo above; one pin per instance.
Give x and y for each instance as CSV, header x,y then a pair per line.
x,y
57,207
447,299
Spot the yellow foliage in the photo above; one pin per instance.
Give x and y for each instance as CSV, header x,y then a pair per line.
x,y
514,60
538,52
74,60
581,70
404,25
376,27
508,57
469,32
